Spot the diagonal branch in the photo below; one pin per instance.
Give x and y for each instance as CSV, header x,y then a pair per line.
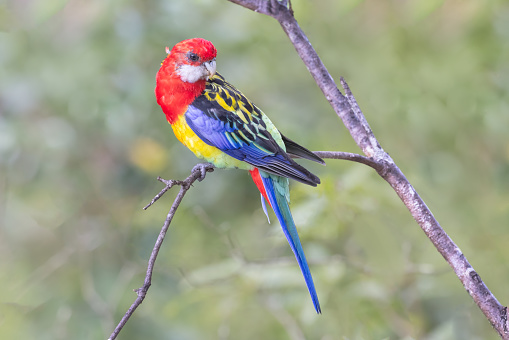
x,y
197,173
348,110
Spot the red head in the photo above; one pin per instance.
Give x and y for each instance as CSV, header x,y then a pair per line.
x,y
192,60
183,74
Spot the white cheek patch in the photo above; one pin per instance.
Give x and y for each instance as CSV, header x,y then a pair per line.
x,y
191,74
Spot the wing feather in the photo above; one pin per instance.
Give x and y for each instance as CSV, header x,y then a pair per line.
x,y
224,118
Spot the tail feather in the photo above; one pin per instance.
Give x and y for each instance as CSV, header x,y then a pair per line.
x,y
297,150
275,190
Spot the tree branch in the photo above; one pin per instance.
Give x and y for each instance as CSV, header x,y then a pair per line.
x,y
347,109
197,173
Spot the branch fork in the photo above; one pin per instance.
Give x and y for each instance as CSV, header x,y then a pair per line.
x,y
198,173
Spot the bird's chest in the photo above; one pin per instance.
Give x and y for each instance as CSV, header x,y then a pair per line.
x,y
204,151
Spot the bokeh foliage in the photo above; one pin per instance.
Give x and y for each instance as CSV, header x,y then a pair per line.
x,y
82,140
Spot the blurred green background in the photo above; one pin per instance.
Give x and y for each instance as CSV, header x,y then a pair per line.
x,y
82,141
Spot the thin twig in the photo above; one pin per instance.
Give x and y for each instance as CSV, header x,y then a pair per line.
x,y
348,157
169,184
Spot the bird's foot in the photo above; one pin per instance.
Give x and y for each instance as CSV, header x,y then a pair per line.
x,y
202,169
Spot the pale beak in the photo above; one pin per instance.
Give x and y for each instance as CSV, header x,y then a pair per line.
x,y
210,66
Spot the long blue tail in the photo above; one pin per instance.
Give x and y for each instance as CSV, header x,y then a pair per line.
x,y
277,191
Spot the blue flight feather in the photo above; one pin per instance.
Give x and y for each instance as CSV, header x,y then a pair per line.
x,y
211,131
220,134
224,130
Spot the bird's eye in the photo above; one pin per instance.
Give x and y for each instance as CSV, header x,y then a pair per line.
x,y
193,56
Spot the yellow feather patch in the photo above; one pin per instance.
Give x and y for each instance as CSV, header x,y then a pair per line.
x,y
204,151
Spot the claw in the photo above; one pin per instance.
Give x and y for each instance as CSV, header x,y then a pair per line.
x,y
203,168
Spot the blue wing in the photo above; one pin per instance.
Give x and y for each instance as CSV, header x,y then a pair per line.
x,y
224,118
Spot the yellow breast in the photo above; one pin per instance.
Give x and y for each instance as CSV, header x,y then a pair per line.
x,y
204,151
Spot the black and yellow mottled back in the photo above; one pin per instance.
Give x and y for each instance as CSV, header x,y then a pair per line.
x,y
223,117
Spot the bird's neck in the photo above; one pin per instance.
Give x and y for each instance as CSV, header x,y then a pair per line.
x,y
174,95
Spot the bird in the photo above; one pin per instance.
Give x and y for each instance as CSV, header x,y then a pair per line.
x,y
220,125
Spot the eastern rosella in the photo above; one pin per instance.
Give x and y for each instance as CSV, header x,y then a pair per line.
x,y
220,125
